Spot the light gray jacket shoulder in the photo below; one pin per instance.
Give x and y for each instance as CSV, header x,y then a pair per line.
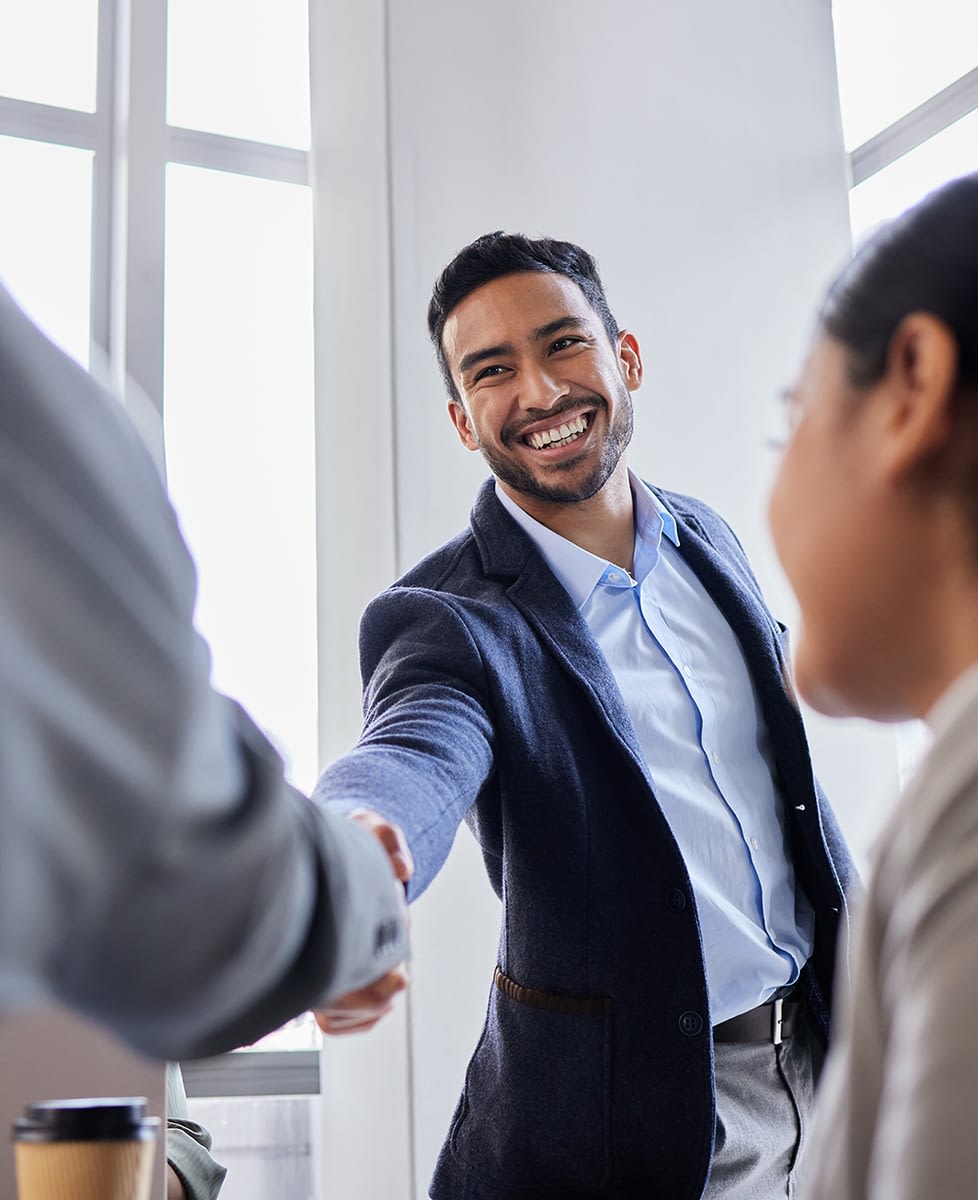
x,y
156,870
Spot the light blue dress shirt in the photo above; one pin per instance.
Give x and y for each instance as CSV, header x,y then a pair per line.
x,y
686,686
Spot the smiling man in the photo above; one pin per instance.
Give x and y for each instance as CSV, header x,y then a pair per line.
x,y
589,677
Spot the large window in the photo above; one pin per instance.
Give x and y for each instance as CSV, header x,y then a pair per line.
x,y
908,86
157,224
156,219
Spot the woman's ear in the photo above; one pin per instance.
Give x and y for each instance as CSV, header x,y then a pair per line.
x,y
919,382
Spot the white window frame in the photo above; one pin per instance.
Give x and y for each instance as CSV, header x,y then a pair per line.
x,y
914,128
132,145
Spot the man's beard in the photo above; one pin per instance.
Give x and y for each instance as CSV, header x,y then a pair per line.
x,y
572,491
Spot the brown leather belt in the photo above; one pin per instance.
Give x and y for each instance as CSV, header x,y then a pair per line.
x,y
772,1022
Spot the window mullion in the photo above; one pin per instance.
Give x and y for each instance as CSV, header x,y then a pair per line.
x,y
218,152
108,159
139,206
47,123
915,127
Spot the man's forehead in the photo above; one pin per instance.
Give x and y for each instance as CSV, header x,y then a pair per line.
x,y
510,309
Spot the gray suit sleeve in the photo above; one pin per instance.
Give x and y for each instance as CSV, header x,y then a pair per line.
x,y
156,871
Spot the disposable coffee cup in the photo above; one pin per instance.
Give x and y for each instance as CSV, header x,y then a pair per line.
x,y
100,1148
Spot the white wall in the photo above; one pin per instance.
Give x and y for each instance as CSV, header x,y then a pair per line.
x,y
696,149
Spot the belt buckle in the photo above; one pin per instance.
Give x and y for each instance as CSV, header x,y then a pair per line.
x,y
777,1016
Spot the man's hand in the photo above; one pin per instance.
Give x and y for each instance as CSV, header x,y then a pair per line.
x,y
391,837
359,1011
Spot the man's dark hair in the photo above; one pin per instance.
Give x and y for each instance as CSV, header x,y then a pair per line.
x,y
497,254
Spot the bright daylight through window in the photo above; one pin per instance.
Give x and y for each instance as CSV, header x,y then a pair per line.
x,y
218,337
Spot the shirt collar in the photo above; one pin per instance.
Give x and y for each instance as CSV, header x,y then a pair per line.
x,y
580,571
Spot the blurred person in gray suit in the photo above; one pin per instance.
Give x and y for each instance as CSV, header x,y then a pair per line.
x,y
157,872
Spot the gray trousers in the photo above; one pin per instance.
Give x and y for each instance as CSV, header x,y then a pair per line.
x,y
765,1105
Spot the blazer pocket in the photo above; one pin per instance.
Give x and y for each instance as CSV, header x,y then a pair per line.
x,y
535,1111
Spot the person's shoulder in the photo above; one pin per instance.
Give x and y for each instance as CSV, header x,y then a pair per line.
x,y
937,814
488,553
444,570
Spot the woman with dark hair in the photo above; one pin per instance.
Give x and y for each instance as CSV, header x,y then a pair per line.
x,y
875,517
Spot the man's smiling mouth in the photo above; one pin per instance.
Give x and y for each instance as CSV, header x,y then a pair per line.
x,y
560,435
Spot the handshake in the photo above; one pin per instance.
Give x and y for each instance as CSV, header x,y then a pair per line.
x,y
360,1010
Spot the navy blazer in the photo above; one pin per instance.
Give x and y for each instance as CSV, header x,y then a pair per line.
x,y
487,699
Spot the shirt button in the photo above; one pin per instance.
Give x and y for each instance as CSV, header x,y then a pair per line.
x,y
614,577
676,899
753,843
714,757
687,670
690,1024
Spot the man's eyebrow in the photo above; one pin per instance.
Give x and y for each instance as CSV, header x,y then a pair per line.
x,y
472,359
542,332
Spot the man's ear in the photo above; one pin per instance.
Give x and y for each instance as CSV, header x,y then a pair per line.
x,y
630,358
919,381
460,419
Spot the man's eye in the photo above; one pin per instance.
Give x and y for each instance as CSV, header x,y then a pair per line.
x,y
564,343
487,372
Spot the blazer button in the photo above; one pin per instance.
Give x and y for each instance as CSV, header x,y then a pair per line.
x,y
691,1024
676,899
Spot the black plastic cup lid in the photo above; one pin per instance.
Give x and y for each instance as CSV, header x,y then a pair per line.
x,y
92,1119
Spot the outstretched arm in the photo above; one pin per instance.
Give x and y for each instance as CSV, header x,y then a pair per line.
x,y
156,870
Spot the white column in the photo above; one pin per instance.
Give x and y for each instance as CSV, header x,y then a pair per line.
x,y
366,1146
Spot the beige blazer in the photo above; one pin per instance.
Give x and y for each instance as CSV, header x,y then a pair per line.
x,y
898,1105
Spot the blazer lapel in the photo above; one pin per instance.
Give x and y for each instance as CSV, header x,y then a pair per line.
x,y
736,594
728,580
508,553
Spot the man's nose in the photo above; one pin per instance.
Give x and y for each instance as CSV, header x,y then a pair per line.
x,y
541,389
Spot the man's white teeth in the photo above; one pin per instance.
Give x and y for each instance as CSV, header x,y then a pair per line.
x,y
557,437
